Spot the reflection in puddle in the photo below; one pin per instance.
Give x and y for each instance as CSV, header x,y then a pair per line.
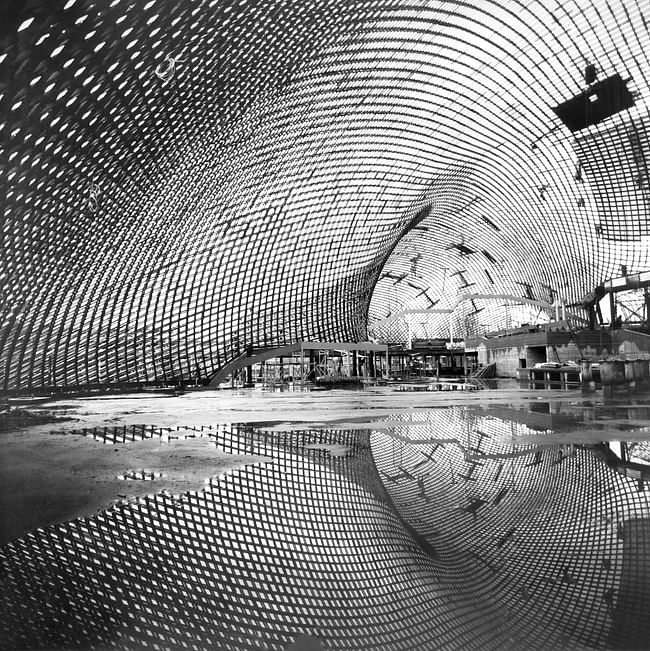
x,y
541,528
334,449
141,475
468,529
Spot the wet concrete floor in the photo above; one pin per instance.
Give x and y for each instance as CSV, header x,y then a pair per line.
x,y
513,527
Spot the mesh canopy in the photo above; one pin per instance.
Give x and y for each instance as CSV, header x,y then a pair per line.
x,y
184,180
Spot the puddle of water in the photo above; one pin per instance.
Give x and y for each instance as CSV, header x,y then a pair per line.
x,y
484,525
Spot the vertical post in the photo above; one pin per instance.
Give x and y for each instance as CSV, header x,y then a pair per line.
x,y
248,376
313,364
592,317
612,309
586,373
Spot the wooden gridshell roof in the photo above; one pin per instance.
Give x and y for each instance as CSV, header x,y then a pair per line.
x,y
186,179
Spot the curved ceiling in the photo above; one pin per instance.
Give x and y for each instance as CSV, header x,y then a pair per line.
x,y
187,179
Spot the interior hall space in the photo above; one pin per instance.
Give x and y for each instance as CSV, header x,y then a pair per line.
x,y
324,325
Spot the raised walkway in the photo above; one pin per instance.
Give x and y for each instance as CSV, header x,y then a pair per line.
x,y
259,355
